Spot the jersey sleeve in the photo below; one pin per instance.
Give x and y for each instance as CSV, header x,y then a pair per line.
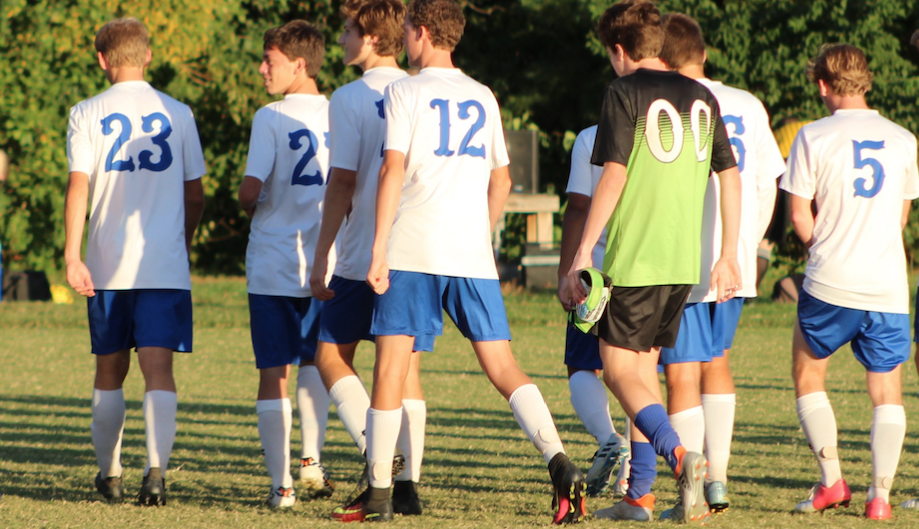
x,y
799,179
499,156
769,167
262,146
80,158
344,133
192,154
911,188
722,152
396,107
580,178
616,129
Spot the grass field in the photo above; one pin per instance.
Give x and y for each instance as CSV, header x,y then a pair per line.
x,y
479,469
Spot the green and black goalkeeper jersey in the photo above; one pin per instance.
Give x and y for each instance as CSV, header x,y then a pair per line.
x,y
667,130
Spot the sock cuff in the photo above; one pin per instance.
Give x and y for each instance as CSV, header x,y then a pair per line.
x,y
524,393
109,395
730,398
811,399
160,394
590,375
281,405
685,414
308,369
384,414
411,405
890,414
649,417
345,385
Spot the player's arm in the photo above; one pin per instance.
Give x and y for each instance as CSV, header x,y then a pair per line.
x,y
78,275
726,277
248,195
389,191
802,218
499,187
572,229
605,198
335,204
194,208
904,217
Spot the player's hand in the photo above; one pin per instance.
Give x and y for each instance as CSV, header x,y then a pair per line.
x,y
78,277
378,275
726,278
574,277
317,281
564,293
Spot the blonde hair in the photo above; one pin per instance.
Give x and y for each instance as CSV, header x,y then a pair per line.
x,y
123,42
843,68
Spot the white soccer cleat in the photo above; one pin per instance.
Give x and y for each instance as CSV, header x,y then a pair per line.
x,y
282,498
639,510
604,461
314,479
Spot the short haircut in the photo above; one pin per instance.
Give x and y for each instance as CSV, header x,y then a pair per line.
x,y
298,39
382,19
349,8
914,40
443,18
636,26
843,68
683,41
123,42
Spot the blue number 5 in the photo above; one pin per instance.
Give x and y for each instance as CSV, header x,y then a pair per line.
x,y
878,169
736,142
298,178
159,140
111,164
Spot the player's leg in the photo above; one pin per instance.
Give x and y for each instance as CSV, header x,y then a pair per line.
x,y
312,405
411,437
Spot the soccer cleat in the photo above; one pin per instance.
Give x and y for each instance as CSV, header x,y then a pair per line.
x,y
691,482
568,490
716,494
372,505
281,498
674,513
153,489
621,487
110,488
820,497
877,509
639,510
604,460
405,499
398,465
910,505
314,479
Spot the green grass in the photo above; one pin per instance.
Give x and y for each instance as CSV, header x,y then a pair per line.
x,y
479,469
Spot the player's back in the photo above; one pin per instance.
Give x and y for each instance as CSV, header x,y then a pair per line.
x,y
138,147
357,133
289,153
449,126
859,167
584,178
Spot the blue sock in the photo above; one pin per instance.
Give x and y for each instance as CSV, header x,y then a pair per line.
x,y
654,423
644,470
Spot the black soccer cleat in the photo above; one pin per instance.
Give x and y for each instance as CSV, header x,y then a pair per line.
x,y
153,490
569,489
372,505
405,499
111,488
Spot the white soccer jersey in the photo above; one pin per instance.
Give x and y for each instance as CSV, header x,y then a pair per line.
x,y
289,153
449,127
760,163
859,168
357,132
139,147
583,180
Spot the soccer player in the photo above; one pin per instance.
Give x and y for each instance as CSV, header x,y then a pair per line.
x,y
860,170
372,38
443,184
707,328
283,191
582,350
134,153
660,134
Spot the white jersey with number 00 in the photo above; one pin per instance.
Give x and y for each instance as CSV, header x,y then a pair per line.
x,y
139,147
859,168
449,127
289,153
583,180
357,133
760,163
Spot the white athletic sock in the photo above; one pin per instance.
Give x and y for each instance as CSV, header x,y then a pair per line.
x,y
887,431
352,402
719,430
819,425
108,429
160,422
591,403
274,424
382,433
690,426
411,438
534,418
313,405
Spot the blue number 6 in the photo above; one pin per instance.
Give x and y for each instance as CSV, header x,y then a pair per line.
x,y
736,142
878,169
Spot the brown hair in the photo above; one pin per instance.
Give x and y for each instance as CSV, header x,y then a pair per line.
x,y
683,41
843,68
298,39
382,19
443,18
635,25
349,8
914,39
123,42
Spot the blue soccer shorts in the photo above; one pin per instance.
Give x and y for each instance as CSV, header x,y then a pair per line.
x,y
706,330
122,319
582,350
415,302
880,340
346,318
284,329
